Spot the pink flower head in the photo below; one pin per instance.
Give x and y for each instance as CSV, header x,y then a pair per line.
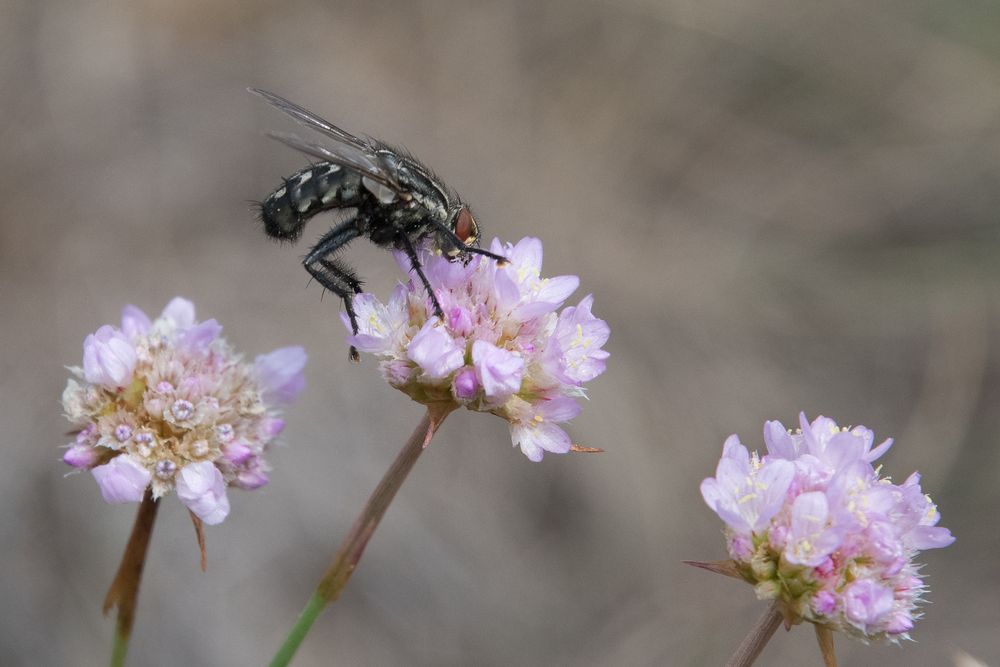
x,y
502,346
813,526
168,405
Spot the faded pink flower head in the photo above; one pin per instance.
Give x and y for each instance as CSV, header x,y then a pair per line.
x,y
168,404
812,525
503,346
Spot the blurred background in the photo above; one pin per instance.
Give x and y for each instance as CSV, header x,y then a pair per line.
x,y
779,206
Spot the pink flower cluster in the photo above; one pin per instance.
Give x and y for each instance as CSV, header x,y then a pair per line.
x,y
168,404
814,526
502,348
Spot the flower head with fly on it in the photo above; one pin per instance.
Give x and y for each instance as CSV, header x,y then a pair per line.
x,y
503,346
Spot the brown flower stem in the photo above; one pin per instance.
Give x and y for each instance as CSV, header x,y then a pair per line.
x,y
351,549
124,590
199,533
757,638
825,638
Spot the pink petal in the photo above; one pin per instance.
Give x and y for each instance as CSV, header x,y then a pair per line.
x,y
122,480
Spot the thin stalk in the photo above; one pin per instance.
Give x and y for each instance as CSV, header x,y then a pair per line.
x,y
351,549
757,638
825,638
124,590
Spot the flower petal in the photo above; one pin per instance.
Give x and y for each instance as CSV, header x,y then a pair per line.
x,y
180,311
202,489
281,373
122,480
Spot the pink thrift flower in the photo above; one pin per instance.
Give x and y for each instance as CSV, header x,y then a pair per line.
x,y
811,537
499,371
813,526
434,351
537,432
280,373
80,456
108,358
253,475
578,341
135,323
745,493
167,404
466,385
201,487
122,480
502,348
867,604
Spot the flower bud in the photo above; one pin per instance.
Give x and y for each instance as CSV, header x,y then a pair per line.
x,y
767,590
108,358
200,486
80,456
762,566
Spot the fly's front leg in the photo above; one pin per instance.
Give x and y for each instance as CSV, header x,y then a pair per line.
x,y
415,263
334,275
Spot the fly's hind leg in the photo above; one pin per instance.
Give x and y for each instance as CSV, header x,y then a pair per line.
x,y
334,275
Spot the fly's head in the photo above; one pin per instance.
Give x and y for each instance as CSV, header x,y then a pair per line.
x,y
462,222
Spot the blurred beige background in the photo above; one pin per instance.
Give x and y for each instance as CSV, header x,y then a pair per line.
x,y
778,206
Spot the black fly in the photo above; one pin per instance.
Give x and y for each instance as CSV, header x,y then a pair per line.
x,y
398,204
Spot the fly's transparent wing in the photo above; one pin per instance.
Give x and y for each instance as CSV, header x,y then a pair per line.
x,y
309,119
348,151
343,155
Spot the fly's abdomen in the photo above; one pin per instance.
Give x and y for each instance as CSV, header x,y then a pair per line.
x,y
318,188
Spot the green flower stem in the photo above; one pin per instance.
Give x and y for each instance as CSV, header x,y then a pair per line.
x,y
353,546
757,638
124,590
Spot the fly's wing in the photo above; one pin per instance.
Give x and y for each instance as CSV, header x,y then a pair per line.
x,y
345,156
346,150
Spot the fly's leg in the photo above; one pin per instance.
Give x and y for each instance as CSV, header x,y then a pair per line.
x,y
333,275
415,263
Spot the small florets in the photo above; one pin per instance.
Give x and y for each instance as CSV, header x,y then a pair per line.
x,y
168,405
812,525
503,346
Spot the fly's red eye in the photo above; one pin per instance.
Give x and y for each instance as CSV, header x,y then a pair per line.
x,y
466,228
